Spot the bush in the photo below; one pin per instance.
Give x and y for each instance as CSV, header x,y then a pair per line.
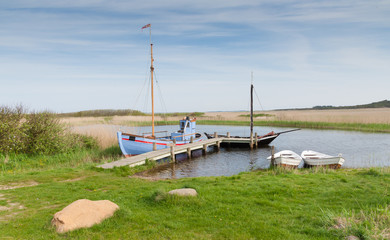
x,y
37,133
11,135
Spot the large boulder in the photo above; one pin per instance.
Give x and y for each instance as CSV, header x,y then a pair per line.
x,y
83,213
184,192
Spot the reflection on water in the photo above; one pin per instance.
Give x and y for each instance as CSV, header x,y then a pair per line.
x,y
359,150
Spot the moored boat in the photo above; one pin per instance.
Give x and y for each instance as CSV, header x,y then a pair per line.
x,y
253,139
240,141
131,144
316,159
286,158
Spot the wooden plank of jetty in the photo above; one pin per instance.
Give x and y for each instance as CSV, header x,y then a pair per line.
x,y
163,153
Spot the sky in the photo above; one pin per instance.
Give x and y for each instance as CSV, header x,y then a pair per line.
x,y
67,56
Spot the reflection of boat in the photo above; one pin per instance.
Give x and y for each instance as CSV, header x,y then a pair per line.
x,y
286,158
132,144
251,140
316,159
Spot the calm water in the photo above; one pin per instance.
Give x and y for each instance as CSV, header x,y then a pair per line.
x,y
359,150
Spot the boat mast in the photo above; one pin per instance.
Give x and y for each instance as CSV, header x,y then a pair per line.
x,y
252,106
151,70
151,73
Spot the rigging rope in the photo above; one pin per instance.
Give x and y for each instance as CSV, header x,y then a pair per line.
x,y
162,102
258,99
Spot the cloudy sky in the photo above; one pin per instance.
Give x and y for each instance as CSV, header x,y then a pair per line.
x,y
91,54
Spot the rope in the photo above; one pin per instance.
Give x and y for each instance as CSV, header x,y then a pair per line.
x,y
258,99
162,102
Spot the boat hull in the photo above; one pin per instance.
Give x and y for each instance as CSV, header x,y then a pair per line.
x,y
334,163
286,158
134,145
316,159
245,141
287,162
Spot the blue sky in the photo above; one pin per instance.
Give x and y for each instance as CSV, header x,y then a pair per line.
x,y
91,54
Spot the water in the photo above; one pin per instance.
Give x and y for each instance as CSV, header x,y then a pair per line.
x,y
360,150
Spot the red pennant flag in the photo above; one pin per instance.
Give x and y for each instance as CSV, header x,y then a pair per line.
x,y
146,26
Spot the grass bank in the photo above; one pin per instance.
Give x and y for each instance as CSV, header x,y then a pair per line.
x,y
364,127
19,163
272,204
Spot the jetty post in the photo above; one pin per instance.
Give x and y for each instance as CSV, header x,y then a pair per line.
x,y
204,151
272,156
173,153
251,143
256,139
154,146
173,150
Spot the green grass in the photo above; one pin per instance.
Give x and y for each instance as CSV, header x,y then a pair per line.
x,y
257,115
184,114
103,113
15,163
272,204
363,127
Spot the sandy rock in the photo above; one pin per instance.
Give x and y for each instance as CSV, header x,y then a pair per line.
x,y
184,192
83,213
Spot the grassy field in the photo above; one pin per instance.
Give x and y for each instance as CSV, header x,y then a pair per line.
x,y
369,120
272,204
266,204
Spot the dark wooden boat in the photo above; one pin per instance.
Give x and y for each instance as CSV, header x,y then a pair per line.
x,y
239,141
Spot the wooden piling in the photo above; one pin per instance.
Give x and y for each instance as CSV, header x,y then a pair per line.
x,y
154,146
189,153
192,139
173,153
215,135
272,156
228,134
204,151
256,139
251,143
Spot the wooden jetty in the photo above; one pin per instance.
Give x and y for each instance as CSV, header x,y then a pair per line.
x,y
177,149
163,153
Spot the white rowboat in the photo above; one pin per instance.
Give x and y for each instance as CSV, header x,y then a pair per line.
x,y
287,158
316,159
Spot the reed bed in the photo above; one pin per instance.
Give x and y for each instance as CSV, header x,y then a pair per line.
x,y
365,116
105,136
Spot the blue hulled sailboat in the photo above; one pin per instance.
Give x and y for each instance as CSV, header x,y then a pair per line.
x,y
132,144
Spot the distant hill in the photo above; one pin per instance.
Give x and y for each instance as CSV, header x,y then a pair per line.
x,y
103,113
381,104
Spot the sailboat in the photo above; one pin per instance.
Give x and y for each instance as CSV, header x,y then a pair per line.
x,y
131,144
240,141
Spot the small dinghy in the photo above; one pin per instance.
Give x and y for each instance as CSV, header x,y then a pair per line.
x,y
316,159
286,158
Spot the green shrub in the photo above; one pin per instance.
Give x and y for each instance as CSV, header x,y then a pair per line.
x,y
11,135
37,133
